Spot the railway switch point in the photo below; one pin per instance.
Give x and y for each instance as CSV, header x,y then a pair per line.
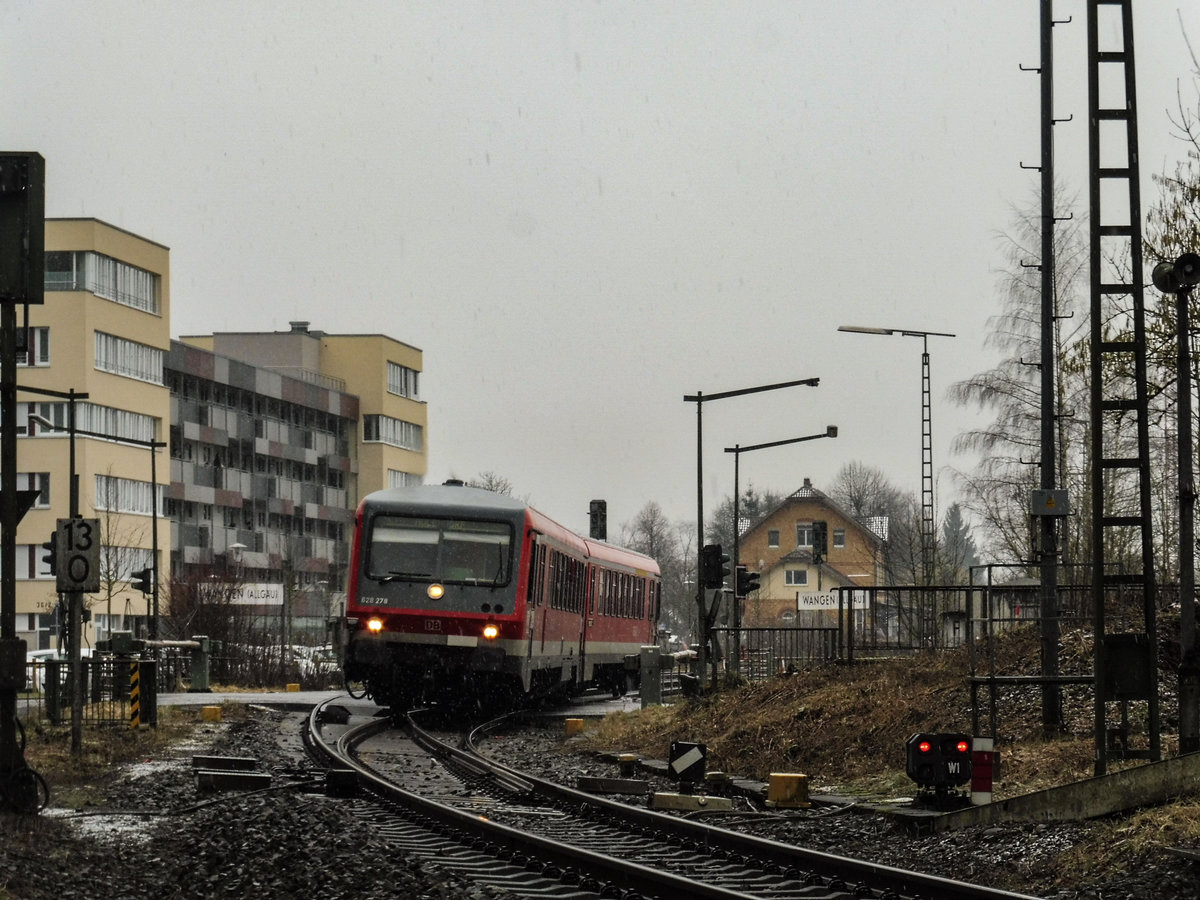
x,y
689,802
226,780
341,783
225,763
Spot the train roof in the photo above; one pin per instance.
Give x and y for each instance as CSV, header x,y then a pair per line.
x,y
613,553
448,497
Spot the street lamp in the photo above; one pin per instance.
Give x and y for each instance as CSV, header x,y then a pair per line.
x,y
927,510
737,450
1179,278
699,398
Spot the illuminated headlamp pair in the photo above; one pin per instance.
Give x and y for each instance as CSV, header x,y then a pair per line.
x,y
491,630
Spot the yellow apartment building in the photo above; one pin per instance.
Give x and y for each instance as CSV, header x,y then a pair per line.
x,y
102,333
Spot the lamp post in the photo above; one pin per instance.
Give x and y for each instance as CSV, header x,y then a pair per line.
x,y
1180,278
699,398
737,450
927,507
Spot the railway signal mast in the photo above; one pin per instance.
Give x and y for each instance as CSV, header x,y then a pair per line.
x,y
22,274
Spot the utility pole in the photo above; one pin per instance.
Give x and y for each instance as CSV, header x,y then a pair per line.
x,y
1047,522
22,275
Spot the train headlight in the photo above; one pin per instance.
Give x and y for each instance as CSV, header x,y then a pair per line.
x,y
491,631
435,591
375,625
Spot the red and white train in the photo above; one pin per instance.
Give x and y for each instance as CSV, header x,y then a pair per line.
x,y
456,592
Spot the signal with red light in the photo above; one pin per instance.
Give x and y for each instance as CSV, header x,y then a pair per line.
x,y
938,761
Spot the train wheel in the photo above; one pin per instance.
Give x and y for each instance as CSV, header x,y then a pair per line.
x,y
356,688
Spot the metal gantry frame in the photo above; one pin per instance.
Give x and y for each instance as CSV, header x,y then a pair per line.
x,y
1126,664
928,510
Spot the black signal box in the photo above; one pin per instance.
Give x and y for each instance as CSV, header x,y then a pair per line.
x,y
938,761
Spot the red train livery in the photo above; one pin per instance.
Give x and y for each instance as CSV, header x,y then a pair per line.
x,y
457,592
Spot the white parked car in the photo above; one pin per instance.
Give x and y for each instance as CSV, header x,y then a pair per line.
x,y
35,666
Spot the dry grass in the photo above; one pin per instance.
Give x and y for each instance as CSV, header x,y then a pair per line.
x,y
846,726
843,726
78,779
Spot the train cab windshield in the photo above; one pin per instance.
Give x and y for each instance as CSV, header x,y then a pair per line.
x,y
451,551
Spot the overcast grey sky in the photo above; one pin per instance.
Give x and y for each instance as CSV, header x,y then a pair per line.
x,y
581,212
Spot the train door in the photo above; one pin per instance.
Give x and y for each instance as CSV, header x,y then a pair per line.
x,y
535,610
585,592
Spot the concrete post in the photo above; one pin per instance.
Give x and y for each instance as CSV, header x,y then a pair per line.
x,y
651,663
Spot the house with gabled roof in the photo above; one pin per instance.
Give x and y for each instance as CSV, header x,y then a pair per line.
x,y
793,588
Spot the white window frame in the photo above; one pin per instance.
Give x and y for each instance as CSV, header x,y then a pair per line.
x,y
36,481
403,381
39,343
129,359
804,534
130,495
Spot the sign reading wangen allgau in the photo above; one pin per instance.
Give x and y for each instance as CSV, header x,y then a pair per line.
x,y
815,600
256,594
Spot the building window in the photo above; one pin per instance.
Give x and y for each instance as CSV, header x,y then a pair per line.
x,y
398,433
39,343
796,577
112,423
36,481
402,479
773,537
804,534
839,537
128,358
403,381
125,495
29,563
104,276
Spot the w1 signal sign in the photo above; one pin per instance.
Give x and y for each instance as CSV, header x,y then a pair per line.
x,y
78,549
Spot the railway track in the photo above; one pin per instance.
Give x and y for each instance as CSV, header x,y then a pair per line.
x,y
529,837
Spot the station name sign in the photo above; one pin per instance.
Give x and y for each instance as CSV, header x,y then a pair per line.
x,y
816,600
256,594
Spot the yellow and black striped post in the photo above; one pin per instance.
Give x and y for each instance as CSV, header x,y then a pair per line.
x,y
135,694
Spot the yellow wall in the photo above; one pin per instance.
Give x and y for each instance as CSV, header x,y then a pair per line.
x,y
73,318
360,360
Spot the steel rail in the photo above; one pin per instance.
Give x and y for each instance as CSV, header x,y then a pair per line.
x,y
901,881
618,871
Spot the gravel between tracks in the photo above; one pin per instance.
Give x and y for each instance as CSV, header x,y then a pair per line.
x,y
280,842
1022,858
286,842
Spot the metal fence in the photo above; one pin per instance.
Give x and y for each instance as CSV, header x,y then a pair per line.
x,y
769,652
107,683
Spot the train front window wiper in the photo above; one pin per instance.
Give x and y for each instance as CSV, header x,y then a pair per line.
x,y
396,576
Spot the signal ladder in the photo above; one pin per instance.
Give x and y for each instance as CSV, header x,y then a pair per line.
x,y
1125,662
